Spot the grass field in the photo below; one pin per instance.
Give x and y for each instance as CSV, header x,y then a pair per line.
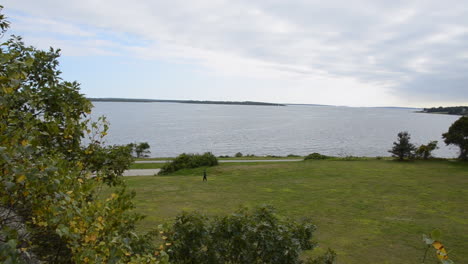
x,y
135,166
369,211
230,158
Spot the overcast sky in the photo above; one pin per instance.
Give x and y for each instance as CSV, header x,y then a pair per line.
x,y
355,53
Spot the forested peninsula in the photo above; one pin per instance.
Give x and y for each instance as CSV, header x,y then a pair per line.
x,y
452,110
181,101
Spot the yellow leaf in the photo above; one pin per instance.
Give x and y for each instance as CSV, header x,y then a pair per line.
x,y
114,196
437,245
24,142
7,90
442,254
20,178
91,238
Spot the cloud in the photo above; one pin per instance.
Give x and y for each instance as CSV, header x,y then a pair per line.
x,y
400,51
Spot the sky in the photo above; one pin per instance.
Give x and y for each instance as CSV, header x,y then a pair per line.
x,y
334,52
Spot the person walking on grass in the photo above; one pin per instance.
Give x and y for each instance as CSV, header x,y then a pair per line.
x,y
204,176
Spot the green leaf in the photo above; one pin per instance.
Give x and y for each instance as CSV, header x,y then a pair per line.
x,y
435,234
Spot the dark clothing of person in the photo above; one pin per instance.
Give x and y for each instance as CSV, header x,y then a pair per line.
x,y
204,176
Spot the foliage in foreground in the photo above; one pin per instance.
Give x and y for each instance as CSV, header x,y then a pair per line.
x,y
434,241
188,161
256,236
50,205
458,135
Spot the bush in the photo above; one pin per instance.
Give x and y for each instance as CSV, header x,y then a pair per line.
x,y
316,156
257,236
238,155
425,151
189,161
292,156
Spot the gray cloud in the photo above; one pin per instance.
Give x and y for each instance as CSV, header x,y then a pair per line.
x,y
416,48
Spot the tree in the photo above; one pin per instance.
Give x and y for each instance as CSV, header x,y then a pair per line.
x,y
425,151
142,149
51,207
402,148
458,135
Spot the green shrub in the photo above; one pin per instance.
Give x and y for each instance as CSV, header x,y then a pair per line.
x,y
316,156
238,155
257,236
292,156
425,151
188,161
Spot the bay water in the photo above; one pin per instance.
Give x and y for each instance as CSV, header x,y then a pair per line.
x,y
174,128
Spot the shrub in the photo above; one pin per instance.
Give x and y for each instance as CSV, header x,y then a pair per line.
x,y
292,156
189,161
316,156
257,236
238,155
425,151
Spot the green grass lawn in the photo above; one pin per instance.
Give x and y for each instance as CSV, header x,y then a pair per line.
x,y
230,158
146,166
369,211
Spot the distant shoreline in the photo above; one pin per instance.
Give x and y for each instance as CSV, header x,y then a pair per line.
x,y
128,100
453,110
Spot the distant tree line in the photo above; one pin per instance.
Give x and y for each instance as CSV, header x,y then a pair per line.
x,y
128,100
452,110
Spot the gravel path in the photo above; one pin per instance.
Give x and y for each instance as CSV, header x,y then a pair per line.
x,y
142,172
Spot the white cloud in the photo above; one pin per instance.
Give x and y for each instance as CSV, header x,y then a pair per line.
x,y
365,51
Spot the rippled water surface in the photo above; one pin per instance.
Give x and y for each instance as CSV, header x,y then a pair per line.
x,y
174,128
